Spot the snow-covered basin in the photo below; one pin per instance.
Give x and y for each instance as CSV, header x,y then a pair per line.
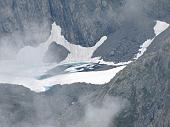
x,y
28,65
27,77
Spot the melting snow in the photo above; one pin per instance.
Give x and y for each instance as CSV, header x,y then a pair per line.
x,y
29,65
158,29
77,52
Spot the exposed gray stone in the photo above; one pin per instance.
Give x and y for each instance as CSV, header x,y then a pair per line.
x,y
56,53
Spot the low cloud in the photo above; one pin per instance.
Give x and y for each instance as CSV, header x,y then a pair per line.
x,y
102,115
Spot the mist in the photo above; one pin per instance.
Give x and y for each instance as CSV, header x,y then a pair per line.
x,y
101,115
83,113
32,34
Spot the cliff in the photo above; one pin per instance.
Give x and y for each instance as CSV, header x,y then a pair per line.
x,y
28,22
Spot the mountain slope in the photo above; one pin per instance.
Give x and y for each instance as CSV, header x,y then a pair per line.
x,y
145,84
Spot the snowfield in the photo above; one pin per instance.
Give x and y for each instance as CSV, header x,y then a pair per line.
x,y
28,64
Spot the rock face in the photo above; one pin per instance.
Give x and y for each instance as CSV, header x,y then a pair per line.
x,y
145,84
56,53
83,22
123,44
158,9
28,22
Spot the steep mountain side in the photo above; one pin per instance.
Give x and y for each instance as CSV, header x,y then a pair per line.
x,y
157,9
29,22
125,42
146,85
83,22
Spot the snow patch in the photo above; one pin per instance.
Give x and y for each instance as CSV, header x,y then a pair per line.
x,y
77,52
158,29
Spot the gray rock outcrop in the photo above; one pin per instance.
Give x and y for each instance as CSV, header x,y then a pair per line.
x,y
55,53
